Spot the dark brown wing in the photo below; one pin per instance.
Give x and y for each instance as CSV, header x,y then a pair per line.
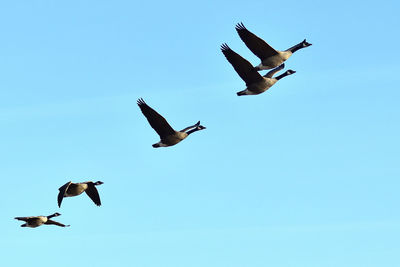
x,y
56,223
244,68
62,189
92,192
157,122
257,45
23,218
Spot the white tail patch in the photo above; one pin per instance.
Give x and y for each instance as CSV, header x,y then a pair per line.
x,y
160,144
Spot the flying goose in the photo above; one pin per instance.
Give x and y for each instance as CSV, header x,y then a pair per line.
x,y
168,135
270,58
71,189
35,221
256,84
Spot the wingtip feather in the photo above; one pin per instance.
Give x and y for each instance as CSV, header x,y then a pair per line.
x,y
240,27
225,47
140,102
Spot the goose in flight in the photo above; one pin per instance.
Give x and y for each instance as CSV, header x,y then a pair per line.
x,y
36,221
71,189
168,135
256,84
270,58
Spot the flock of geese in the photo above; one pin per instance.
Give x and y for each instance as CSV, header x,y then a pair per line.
x,y
255,84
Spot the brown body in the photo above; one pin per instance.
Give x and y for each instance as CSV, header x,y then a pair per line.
x,y
256,84
71,189
36,221
168,136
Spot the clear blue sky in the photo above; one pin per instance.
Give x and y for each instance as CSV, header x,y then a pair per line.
x,y
304,175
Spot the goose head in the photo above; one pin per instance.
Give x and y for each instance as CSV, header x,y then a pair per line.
x,y
199,127
305,43
289,72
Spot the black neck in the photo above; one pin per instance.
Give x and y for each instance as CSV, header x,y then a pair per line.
x,y
193,130
190,127
281,76
296,47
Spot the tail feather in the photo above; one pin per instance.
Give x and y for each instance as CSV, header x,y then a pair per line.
x,y
241,93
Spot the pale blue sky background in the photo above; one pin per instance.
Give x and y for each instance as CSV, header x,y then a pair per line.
x,y
304,175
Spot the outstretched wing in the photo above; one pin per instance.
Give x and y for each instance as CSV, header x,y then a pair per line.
x,y
56,223
257,45
244,68
157,122
61,194
92,192
23,218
